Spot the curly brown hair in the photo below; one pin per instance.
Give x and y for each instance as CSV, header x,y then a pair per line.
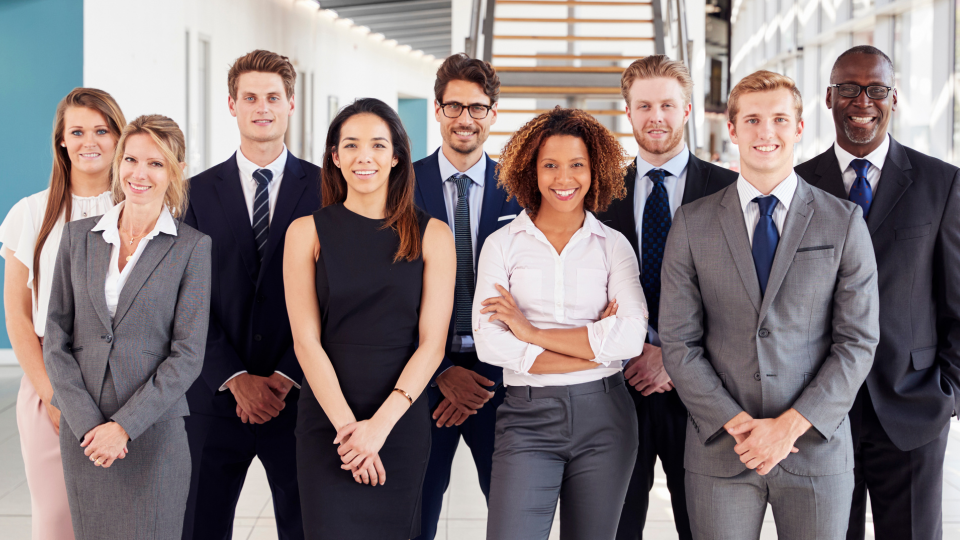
x,y
608,161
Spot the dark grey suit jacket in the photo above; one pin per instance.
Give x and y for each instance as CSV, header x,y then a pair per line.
x,y
155,344
807,343
914,223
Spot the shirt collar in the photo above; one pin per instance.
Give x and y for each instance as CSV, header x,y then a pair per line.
x,y
783,192
477,173
523,223
876,158
675,166
108,224
247,167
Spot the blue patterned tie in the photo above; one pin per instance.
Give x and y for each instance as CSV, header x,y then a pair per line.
x,y
261,211
861,192
656,225
765,240
463,293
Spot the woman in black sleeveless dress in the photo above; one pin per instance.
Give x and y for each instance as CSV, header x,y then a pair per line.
x,y
369,283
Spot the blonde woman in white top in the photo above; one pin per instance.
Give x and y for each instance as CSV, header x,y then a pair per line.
x,y
86,129
559,306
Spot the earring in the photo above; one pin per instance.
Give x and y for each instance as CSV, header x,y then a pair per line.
x,y
63,144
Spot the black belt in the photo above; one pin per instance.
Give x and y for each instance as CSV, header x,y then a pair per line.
x,y
535,392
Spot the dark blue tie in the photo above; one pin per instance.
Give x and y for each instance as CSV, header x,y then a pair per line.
x,y
261,211
656,225
765,240
463,293
861,192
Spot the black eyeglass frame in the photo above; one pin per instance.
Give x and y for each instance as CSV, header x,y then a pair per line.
x,y
861,89
443,107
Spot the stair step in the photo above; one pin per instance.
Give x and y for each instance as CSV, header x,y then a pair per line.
x,y
594,112
564,69
572,3
568,56
573,20
572,90
574,38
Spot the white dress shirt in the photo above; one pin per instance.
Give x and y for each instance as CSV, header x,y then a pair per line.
x,y
876,159
751,211
674,183
116,278
566,290
249,185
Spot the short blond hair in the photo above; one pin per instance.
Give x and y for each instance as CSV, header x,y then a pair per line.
x,y
265,62
654,67
762,81
166,134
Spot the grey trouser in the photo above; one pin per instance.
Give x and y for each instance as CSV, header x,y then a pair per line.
x,y
577,443
804,507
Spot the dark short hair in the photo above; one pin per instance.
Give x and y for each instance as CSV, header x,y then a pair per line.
x,y
266,62
460,67
862,49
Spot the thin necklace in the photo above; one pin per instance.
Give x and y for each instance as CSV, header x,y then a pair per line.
x,y
132,238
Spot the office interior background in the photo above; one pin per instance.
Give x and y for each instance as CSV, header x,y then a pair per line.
x,y
172,58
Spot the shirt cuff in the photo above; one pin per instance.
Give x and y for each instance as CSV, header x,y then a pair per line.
x,y
597,333
434,383
223,387
529,357
284,375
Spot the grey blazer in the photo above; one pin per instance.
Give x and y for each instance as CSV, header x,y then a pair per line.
x,y
155,344
807,344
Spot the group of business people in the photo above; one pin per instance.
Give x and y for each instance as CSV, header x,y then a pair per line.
x,y
779,336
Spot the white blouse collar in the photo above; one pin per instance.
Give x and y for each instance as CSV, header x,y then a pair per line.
x,y
111,233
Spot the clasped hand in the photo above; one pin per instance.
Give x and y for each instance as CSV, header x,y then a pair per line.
x,y
464,393
646,374
360,444
765,442
259,399
105,444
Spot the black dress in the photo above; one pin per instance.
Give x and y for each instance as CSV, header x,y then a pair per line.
x,y
369,317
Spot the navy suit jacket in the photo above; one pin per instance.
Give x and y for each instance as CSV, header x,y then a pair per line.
x,y
429,198
249,328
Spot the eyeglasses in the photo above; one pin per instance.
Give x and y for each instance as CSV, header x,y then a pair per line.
x,y
453,109
853,90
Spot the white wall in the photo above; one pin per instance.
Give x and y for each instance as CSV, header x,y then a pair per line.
x,y
137,51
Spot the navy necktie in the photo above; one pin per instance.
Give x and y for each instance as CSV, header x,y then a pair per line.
x,y
463,293
656,225
861,192
765,240
261,211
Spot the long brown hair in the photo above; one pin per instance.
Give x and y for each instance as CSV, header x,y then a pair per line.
x,y
400,213
166,134
59,201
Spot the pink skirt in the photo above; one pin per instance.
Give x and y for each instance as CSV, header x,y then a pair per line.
x,y
40,445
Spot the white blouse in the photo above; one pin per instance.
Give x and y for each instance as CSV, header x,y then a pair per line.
x,y
566,290
19,232
111,234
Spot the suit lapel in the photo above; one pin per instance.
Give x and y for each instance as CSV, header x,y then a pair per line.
x,y
431,188
493,200
626,210
735,232
98,261
156,249
828,175
893,183
794,227
291,189
695,185
238,217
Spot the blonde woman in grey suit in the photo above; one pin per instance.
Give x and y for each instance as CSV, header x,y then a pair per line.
x,y
125,336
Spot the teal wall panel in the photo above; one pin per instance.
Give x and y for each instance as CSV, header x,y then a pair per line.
x,y
41,58
413,113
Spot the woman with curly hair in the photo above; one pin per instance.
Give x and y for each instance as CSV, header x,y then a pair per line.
x,y
559,306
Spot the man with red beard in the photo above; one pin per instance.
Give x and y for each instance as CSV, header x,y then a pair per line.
x,y
911,202
665,175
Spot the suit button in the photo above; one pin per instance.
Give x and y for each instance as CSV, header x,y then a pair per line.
x,y
756,376
109,338
764,332
257,337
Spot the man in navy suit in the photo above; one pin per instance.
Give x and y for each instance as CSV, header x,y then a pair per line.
x,y
458,184
245,402
665,175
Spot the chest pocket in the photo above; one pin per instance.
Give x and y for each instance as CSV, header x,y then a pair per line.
x,y
526,286
591,297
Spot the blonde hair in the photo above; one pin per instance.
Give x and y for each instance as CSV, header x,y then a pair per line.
x,y
654,67
266,62
166,134
762,81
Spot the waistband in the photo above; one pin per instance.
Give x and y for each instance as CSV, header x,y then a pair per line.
x,y
536,392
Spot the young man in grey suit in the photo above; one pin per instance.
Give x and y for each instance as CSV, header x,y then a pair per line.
x,y
769,322
911,203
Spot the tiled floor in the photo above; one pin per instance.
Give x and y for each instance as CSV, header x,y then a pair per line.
x,y
464,513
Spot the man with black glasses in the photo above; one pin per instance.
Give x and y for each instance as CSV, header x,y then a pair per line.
x,y
458,184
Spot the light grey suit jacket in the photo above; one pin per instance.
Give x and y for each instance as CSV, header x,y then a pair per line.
x,y
155,344
807,344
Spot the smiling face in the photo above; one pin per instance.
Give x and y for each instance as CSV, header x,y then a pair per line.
x,y
365,153
88,141
465,134
766,130
861,122
658,113
144,172
563,174
262,108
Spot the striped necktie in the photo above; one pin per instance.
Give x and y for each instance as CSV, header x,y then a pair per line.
x,y
463,294
261,211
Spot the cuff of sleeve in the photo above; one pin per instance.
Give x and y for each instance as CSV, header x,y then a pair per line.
x,y
282,374
597,333
223,387
133,429
824,427
529,357
709,426
439,373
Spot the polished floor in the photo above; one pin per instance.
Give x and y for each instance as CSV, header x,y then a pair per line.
x,y
464,513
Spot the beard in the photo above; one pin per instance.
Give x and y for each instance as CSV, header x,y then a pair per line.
x,y
464,148
859,135
658,147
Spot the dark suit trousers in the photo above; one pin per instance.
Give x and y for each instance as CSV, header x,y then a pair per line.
x,y
906,488
478,432
662,420
222,449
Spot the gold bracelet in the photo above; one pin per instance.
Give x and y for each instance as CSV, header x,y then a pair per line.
x,y
406,395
